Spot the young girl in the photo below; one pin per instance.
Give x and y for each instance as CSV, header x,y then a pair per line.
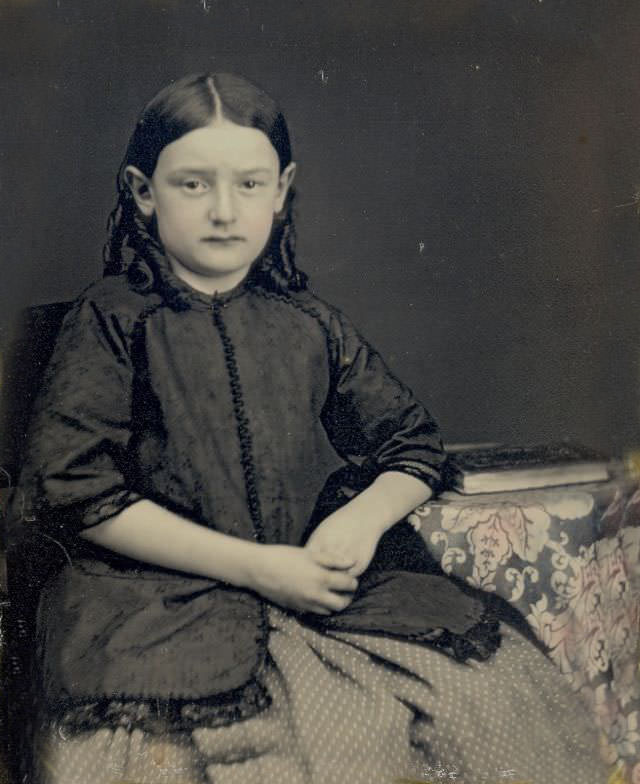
x,y
222,461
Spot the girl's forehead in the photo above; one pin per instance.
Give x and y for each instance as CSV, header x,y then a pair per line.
x,y
220,144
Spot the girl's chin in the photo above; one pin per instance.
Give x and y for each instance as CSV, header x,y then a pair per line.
x,y
208,268
210,278
221,270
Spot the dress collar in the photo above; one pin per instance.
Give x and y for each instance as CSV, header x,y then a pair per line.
x,y
180,294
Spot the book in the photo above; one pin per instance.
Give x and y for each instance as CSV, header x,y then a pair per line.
x,y
497,468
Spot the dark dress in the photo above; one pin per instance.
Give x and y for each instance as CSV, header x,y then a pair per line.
x,y
252,413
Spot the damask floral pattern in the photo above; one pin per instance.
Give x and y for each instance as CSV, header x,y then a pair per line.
x,y
569,560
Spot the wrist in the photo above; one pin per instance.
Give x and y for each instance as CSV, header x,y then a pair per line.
x,y
369,513
391,497
251,566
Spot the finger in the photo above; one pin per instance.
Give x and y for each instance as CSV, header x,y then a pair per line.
x,y
332,560
356,570
317,609
342,581
336,602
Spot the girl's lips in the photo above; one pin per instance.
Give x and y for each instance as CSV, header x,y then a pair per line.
x,y
223,240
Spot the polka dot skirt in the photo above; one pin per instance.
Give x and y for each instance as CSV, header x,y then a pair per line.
x,y
364,709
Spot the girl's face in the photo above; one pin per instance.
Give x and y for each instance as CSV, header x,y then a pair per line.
x,y
214,193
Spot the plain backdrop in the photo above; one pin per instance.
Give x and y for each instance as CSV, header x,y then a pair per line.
x,y
468,178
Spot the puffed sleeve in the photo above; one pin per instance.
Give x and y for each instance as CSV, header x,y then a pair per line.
x,y
75,468
370,414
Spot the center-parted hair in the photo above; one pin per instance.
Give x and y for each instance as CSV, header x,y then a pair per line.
x,y
185,105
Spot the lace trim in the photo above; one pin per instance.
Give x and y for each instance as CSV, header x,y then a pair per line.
x,y
480,642
101,510
160,716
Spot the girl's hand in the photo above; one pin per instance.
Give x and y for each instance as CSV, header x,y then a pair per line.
x,y
344,537
292,577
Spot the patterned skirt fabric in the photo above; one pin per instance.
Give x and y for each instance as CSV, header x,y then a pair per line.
x,y
365,710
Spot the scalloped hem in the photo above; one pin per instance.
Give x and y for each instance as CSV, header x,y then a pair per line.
x,y
160,716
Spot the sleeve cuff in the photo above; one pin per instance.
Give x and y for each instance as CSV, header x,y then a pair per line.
x,y
103,508
428,474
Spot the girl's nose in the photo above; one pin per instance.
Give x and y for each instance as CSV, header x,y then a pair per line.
x,y
222,209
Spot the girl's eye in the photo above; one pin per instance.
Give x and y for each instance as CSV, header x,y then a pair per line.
x,y
194,186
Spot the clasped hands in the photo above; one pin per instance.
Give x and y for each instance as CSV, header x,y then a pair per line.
x,y
322,576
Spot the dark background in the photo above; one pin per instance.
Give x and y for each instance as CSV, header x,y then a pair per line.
x,y
468,172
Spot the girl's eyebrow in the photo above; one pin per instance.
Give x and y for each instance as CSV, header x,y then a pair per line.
x,y
257,170
201,171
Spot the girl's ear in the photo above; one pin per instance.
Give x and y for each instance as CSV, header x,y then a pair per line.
x,y
140,188
284,183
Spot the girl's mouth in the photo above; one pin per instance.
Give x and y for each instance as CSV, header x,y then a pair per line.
x,y
223,240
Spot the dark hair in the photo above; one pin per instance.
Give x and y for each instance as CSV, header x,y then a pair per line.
x,y
183,106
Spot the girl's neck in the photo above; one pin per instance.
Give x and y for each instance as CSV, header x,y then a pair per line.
x,y
215,284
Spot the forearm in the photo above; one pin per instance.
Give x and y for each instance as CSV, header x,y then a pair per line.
x,y
390,498
148,532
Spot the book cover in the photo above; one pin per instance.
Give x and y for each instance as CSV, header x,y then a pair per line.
x,y
486,468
